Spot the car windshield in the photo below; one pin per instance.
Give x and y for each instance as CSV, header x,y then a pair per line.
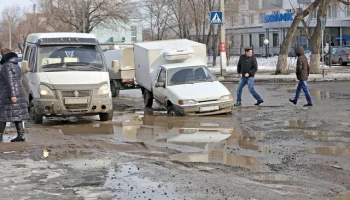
x,y
189,75
70,58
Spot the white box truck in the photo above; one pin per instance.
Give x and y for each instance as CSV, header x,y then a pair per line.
x,y
174,73
124,77
65,75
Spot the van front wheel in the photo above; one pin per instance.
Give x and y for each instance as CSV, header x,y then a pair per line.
x,y
106,116
35,117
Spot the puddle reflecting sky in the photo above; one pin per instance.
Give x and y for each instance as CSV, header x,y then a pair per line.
x,y
333,151
220,157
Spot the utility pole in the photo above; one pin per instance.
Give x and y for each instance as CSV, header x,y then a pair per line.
x,y
10,35
223,40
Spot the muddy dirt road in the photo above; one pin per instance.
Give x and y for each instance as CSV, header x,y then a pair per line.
x,y
273,151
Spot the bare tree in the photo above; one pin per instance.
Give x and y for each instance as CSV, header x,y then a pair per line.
x,y
12,17
281,67
85,15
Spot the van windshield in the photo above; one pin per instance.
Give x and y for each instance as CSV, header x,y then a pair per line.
x,y
189,75
70,58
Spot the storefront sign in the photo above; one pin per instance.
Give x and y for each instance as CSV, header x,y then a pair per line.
x,y
278,17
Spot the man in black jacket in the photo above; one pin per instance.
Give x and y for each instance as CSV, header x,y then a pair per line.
x,y
246,68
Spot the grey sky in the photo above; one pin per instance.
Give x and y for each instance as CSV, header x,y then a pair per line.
x,y
22,3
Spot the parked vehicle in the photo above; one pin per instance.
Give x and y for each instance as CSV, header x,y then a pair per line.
x,y
65,75
174,73
339,55
124,78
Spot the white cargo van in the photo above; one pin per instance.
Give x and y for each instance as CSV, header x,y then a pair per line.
x,y
65,75
174,73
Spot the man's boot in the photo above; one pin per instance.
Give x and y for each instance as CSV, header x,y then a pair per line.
x,y
2,130
20,133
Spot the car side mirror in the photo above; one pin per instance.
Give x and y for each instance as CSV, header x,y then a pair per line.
x,y
25,67
160,84
115,66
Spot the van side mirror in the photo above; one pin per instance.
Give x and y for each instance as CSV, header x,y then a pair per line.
x,y
115,66
160,84
25,67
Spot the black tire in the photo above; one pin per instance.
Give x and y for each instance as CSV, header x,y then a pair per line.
x,y
106,116
35,117
171,111
342,63
115,88
147,99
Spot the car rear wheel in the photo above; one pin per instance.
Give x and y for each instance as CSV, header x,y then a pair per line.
x,y
342,63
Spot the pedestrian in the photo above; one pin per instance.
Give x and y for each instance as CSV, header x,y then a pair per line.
x,y
302,72
13,105
246,69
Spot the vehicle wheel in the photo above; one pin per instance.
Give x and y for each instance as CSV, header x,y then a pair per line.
x,y
106,116
115,88
171,111
35,117
148,99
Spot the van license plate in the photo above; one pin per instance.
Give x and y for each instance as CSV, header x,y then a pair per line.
x,y
208,108
76,101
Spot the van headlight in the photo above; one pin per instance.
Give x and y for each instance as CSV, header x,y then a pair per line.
x,y
45,91
104,90
187,102
226,98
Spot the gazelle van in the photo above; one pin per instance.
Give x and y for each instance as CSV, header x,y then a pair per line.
x,y
65,75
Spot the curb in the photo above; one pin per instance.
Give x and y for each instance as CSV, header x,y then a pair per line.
x,y
321,79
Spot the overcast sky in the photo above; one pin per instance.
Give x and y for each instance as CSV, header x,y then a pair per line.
x,y
22,3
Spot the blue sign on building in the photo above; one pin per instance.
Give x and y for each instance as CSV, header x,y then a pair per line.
x,y
278,17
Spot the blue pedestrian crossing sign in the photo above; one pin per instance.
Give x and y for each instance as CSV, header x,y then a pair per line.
x,y
215,17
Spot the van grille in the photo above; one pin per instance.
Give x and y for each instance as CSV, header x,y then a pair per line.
x,y
76,93
76,107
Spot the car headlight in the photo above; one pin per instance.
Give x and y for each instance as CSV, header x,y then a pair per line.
x,y
104,90
226,98
45,91
187,102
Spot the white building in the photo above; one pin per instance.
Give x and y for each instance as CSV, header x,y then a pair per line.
x,y
271,19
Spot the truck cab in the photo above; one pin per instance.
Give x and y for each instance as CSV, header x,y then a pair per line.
x,y
64,74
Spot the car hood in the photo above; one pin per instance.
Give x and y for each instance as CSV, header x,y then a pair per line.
x,y
73,78
206,91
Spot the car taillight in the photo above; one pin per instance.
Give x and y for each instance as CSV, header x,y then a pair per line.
x,y
348,54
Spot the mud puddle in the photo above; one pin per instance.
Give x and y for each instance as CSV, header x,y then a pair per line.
x,y
332,151
345,196
219,157
315,133
128,180
277,177
301,124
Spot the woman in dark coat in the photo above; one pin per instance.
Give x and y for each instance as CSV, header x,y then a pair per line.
x,y
13,105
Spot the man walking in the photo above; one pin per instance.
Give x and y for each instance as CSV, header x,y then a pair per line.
x,y
246,69
302,72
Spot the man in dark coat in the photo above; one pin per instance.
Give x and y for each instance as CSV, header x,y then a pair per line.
x,y
246,69
302,72
13,105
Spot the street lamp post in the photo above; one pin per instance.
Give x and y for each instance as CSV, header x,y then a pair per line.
x,y
266,42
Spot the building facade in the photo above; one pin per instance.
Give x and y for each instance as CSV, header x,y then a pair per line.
x,y
271,19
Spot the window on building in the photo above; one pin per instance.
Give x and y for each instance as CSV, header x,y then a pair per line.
x,y
314,14
348,9
289,11
251,19
242,41
261,40
332,11
250,40
275,40
133,34
261,17
276,12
